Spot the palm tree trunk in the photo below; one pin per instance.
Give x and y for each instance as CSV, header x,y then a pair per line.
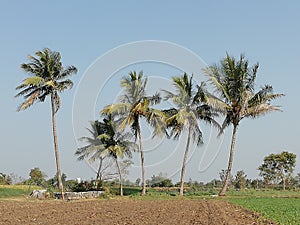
x,y
60,184
142,163
120,177
228,174
282,178
184,162
98,172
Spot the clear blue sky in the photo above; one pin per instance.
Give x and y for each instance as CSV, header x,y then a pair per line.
x,y
267,32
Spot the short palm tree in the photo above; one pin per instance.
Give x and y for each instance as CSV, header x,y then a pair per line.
x,y
93,149
234,83
48,78
189,110
106,142
115,144
135,105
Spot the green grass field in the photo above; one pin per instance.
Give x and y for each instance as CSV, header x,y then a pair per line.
x,y
281,210
9,191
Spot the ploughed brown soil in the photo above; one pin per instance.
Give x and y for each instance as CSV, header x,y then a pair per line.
x,y
125,211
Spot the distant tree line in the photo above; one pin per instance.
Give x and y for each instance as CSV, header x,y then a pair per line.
x,y
276,172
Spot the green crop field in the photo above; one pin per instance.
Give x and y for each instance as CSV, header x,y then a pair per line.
x,y
281,210
7,191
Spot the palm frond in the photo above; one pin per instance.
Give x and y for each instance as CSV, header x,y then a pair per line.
x,y
227,121
105,152
88,150
177,99
194,126
25,91
207,114
33,68
215,79
250,82
92,140
177,122
70,70
261,110
264,95
170,112
154,99
34,81
157,119
36,62
197,136
63,85
216,103
184,89
29,101
104,136
200,96
116,109
134,86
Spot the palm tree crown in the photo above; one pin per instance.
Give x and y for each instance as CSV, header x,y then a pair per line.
x,y
234,84
49,78
106,142
189,108
115,144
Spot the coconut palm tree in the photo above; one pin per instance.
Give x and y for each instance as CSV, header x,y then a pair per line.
x,y
189,110
135,105
115,144
48,77
106,142
234,82
93,149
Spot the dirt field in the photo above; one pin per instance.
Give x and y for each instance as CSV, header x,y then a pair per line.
x,y
125,212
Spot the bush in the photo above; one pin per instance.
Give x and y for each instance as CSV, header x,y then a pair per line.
x,y
5,179
81,187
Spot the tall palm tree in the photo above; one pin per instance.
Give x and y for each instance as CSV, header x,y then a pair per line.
x,y
93,149
48,77
234,83
189,109
135,105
